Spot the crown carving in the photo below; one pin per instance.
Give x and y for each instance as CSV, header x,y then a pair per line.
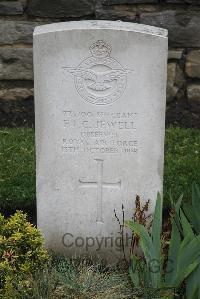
x,y
100,49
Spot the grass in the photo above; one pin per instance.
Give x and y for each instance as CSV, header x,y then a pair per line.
x,y
78,279
17,175
17,160
182,162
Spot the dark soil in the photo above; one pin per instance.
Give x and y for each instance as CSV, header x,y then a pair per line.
x,y
183,115
21,114
30,211
17,113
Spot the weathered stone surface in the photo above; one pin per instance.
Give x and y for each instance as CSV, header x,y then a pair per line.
x,y
97,142
141,8
193,64
172,89
61,8
113,2
115,12
183,26
15,94
16,32
175,81
124,12
175,54
196,2
11,8
180,80
16,64
24,3
193,92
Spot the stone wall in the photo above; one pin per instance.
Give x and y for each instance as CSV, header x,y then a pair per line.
x,y
180,17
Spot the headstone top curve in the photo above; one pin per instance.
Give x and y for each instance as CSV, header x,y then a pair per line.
x,y
100,24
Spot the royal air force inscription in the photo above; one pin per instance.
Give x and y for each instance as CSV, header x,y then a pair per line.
x,y
99,80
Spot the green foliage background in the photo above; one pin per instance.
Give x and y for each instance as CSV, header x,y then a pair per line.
x,y
182,162
17,163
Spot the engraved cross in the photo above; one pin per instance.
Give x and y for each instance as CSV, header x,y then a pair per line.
x,y
100,184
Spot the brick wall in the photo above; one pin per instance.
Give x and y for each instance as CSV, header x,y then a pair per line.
x,y
180,17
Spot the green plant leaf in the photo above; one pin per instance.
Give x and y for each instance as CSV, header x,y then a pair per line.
x,y
145,240
185,261
157,227
156,261
189,251
177,213
196,206
188,210
186,226
178,204
133,271
188,258
192,284
184,273
175,242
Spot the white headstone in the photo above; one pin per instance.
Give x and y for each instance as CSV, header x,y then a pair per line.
x,y
100,117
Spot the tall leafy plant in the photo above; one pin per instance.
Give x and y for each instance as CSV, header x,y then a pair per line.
x,y
188,222
150,270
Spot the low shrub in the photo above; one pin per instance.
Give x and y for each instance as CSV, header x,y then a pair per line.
x,y
21,253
